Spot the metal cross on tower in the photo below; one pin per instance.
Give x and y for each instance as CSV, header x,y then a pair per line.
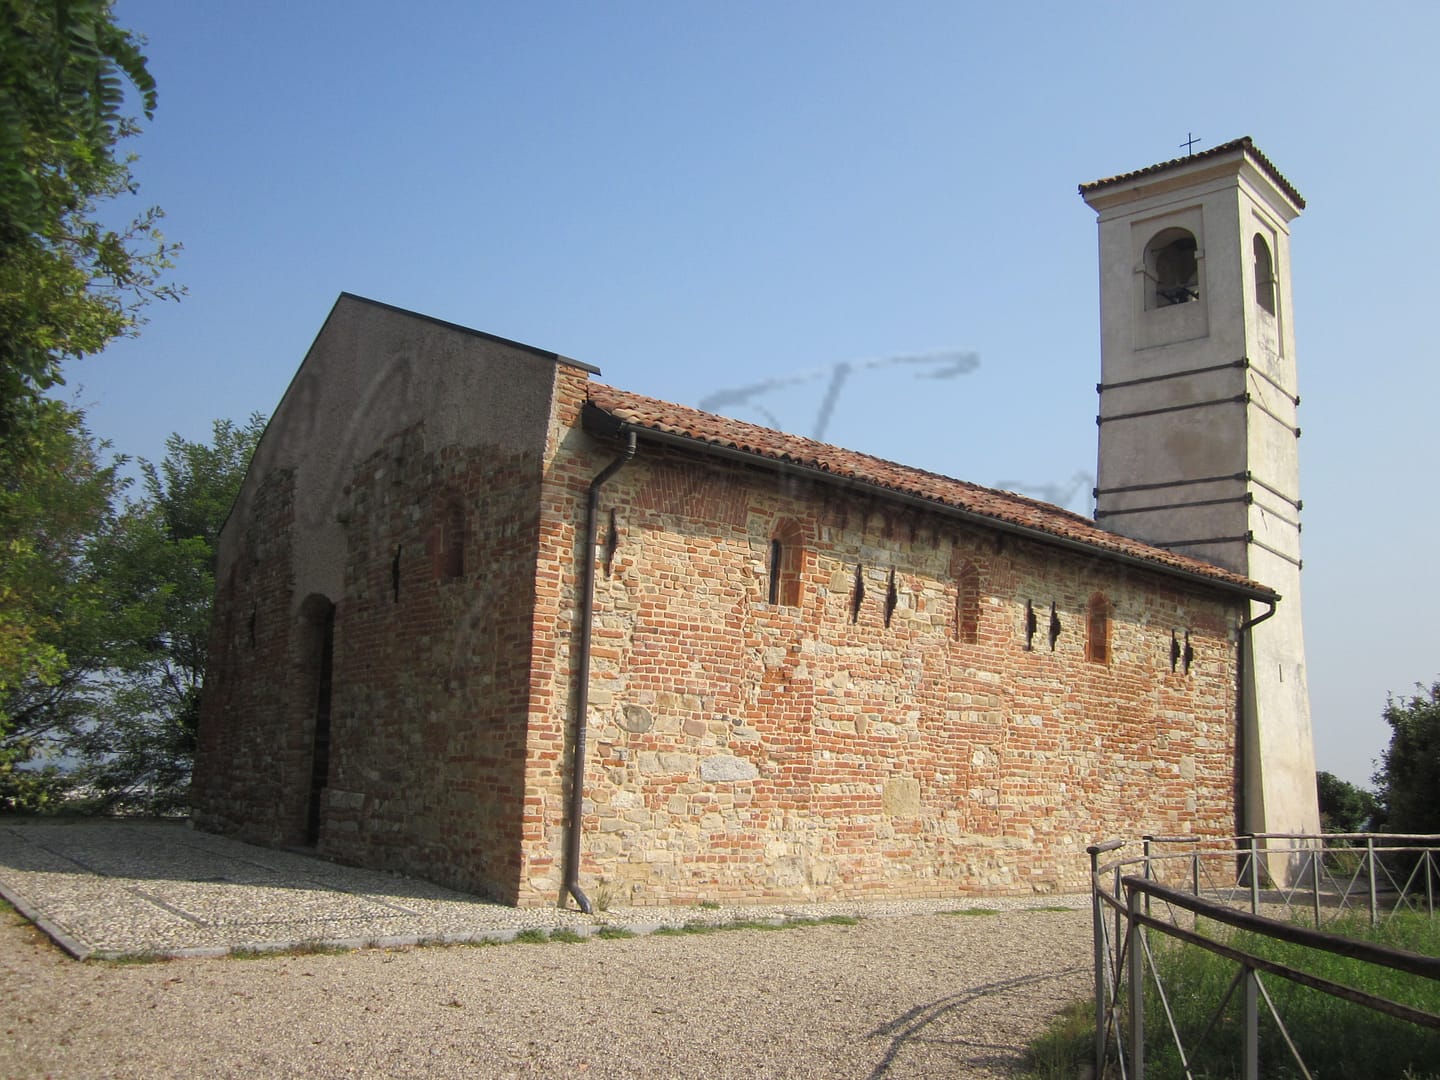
x,y
1189,143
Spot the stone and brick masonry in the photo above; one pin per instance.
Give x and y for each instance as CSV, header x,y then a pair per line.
x,y
905,718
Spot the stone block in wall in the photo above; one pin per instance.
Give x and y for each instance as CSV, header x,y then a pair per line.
x,y
721,768
901,797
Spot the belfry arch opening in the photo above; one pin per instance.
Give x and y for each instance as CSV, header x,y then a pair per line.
x,y
1172,269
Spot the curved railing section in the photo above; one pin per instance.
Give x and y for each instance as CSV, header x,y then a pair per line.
x,y
1233,898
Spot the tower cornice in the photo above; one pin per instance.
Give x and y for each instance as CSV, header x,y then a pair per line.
x,y
1237,157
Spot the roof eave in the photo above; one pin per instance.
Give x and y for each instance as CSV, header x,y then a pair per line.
x,y
597,421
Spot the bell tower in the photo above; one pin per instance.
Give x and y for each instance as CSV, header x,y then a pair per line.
x,y
1198,426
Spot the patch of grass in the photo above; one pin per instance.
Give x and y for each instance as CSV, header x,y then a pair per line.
x,y
1065,1047
762,924
532,936
1052,907
567,936
973,911
709,905
614,933
304,948
1346,1039
688,928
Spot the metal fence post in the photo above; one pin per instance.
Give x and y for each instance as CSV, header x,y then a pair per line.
x,y
1102,959
1254,877
1370,859
1429,885
1137,989
1251,1065
1315,882
1145,853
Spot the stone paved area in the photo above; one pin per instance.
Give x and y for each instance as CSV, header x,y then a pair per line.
x,y
115,888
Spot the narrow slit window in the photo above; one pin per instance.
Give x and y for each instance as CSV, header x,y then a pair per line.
x,y
777,556
857,594
1054,626
1029,626
892,598
1097,630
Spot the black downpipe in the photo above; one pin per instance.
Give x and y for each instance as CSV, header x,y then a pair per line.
x,y
582,692
1243,721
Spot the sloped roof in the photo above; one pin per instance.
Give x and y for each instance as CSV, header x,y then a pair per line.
x,y
1245,143
611,411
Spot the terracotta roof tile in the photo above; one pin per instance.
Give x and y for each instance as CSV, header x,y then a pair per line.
x,y
1003,507
1246,143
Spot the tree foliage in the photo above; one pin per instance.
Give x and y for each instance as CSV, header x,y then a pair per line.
x,y
126,618
69,284
1408,777
1344,807
55,499
157,566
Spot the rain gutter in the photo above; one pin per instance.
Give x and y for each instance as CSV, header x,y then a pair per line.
x,y
582,691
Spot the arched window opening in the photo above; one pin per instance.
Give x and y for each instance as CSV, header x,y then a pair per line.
x,y
450,539
1172,269
1097,630
967,603
787,562
1264,275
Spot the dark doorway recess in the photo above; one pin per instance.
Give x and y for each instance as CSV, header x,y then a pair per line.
x,y
323,626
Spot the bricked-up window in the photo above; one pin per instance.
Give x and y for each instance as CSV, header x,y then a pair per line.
x,y
787,560
967,602
450,539
1097,630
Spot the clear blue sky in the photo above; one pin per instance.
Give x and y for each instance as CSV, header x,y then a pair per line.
x,y
703,197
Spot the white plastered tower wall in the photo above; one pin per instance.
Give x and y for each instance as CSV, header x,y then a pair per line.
x,y
1198,425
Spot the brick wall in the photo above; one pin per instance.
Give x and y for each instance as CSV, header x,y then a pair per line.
x,y
741,749
432,656
895,739
253,752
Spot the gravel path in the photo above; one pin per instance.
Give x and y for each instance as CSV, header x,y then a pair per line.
x,y
919,996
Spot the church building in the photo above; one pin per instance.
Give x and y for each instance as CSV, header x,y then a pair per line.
x,y
487,620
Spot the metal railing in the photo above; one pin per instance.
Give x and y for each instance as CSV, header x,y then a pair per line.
x,y
1201,893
